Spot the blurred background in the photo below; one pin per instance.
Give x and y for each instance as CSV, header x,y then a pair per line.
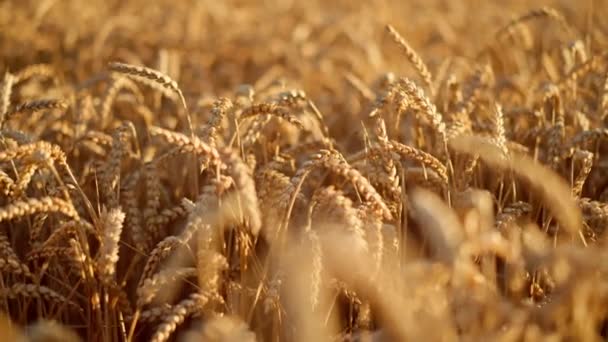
x,y
234,42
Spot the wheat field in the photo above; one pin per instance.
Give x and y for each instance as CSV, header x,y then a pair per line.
x,y
279,170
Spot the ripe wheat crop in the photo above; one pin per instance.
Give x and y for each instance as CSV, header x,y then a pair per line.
x,y
281,170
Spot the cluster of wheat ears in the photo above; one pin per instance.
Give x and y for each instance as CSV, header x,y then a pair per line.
x,y
200,171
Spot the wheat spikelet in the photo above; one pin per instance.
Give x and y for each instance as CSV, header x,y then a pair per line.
x,y
586,158
81,261
9,261
317,268
166,277
36,291
35,71
254,130
270,109
177,315
595,214
144,74
37,151
25,177
585,137
112,224
419,100
273,189
579,71
129,197
153,194
149,74
383,99
337,165
37,227
157,223
471,94
6,184
510,214
499,137
12,266
98,138
186,144
164,248
36,106
214,125
110,174
37,205
426,159
5,100
210,264
382,174
372,225
387,177
48,252
331,207
291,98
543,12
412,56
245,185
118,83
66,229
156,313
